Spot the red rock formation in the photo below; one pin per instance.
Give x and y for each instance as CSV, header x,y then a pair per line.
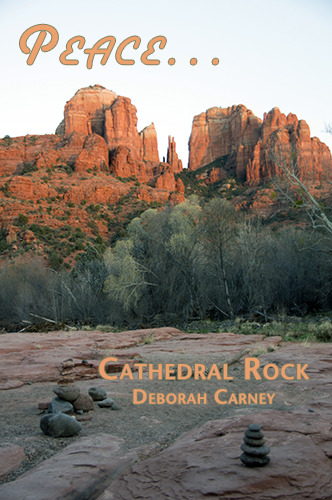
x,y
166,181
172,156
218,132
121,126
179,186
149,144
85,112
254,145
287,140
124,165
215,175
98,110
94,152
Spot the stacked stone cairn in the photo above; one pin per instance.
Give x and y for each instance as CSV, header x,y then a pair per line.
x,y
255,453
57,422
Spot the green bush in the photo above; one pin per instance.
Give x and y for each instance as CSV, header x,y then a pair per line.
x,y
3,243
22,220
55,261
5,189
29,167
8,140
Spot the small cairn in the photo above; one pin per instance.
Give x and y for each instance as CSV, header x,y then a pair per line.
x,y
255,453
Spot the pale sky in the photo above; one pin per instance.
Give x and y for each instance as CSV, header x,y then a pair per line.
x,y
272,53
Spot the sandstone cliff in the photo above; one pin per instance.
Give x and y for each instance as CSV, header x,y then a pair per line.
x,y
113,117
253,144
95,167
99,132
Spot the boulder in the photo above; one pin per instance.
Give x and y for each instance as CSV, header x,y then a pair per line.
x,y
68,393
97,393
81,471
59,425
11,457
83,402
107,403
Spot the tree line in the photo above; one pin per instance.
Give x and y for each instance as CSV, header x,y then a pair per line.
x,y
196,260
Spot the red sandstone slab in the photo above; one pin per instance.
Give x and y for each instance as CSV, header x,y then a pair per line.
x,y
80,471
11,457
205,462
38,357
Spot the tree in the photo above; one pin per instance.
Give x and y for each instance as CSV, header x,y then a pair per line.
x,y
298,192
217,230
155,270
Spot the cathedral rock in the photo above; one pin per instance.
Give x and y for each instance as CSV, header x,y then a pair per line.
x,y
98,132
255,146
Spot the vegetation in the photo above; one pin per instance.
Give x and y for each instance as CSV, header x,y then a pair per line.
x,y
28,168
200,262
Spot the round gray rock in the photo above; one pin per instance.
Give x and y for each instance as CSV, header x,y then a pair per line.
x,y
254,427
97,393
106,403
58,405
59,425
68,393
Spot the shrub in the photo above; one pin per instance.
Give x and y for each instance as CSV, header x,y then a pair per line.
x,y
55,261
148,339
324,331
104,328
22,219
29,167
5,189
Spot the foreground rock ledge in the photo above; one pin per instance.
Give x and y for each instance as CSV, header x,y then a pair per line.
x,y
80,472
205,462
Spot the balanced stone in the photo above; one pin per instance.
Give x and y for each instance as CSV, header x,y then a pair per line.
x,y
254,442
97,393
260,451
254,434
254,461
58,405
83,402
68,393
254,427
59,425
255,453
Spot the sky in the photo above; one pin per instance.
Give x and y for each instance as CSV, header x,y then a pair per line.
x,y
271,53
